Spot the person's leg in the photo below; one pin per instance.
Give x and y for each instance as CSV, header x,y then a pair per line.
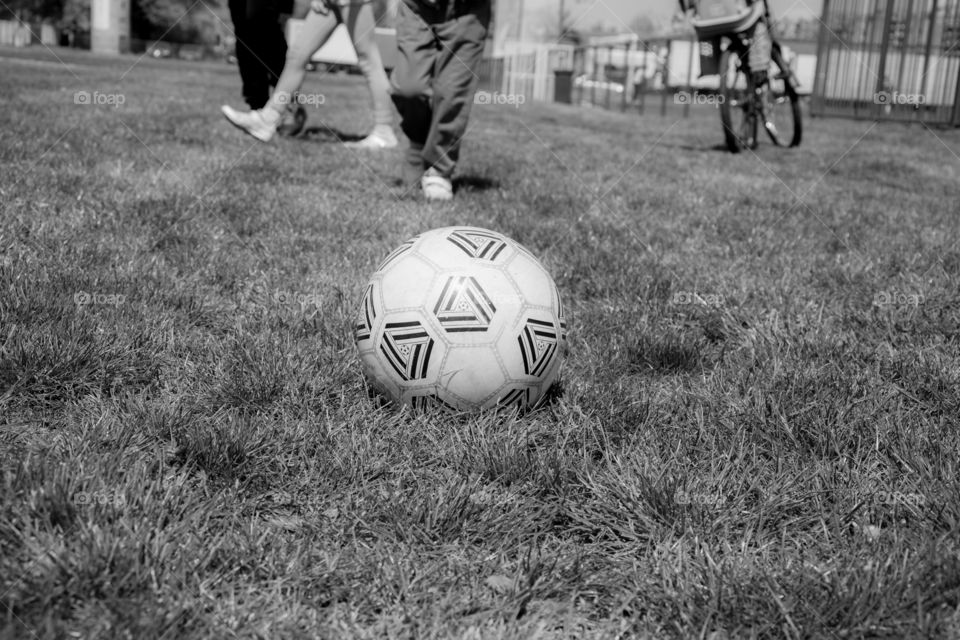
x,y
455,83
253,71
262,123
314,33
758,57
411,83
361,24
274,41
362,27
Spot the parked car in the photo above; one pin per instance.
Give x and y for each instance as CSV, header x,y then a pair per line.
x,y
160,49
589,83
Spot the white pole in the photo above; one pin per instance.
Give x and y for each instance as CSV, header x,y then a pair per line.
x,y
110,26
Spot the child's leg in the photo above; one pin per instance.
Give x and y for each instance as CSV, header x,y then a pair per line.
x,y
361,24
411,81
454,85
760,49
316,30
260,47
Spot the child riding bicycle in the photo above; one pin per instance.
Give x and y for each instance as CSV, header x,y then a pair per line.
x,y
713,19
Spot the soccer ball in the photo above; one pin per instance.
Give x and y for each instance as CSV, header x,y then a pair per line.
x,y
293,121
464,319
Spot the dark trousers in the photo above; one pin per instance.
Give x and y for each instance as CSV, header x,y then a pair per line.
x,y
261,46
439,47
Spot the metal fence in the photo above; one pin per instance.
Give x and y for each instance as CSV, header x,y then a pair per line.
x,y
637,75
889,59
628,75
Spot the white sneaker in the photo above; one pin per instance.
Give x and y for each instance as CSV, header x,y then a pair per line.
x,y
382,137
257,123
436,187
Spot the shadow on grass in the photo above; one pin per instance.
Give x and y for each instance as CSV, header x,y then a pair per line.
x,y
475,183
327,134
690,147
669,355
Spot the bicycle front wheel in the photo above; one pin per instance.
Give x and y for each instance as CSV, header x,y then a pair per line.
x,y
781,109
737,109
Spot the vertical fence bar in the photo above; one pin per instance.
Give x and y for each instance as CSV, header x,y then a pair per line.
x,y
816,100
663,94
929,46
626,77
694,45
593,84
884,47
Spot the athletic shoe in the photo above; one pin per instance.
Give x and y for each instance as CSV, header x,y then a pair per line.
x,y
436,187
261,123
382,137
292,121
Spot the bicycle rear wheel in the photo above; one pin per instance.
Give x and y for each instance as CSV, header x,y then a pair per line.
x,y
737,110
781,107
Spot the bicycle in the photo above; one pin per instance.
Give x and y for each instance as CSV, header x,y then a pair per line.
x,y
747,98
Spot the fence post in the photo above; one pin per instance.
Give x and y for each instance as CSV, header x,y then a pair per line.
x,y
956,102
929,46
593,85
666,77
644,49
626,79
694,48
884,48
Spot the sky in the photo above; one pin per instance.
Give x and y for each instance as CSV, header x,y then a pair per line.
x,y
621,12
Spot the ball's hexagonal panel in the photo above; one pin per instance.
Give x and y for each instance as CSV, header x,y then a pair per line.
x,y
407,348
532,348
472,374
533,281
434,248
396,253
404,285
480,301
479,244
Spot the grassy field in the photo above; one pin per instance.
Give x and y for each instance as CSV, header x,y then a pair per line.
x,y
756,436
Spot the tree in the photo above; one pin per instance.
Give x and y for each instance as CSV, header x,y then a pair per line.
x,y
31,10
173,20
76,16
